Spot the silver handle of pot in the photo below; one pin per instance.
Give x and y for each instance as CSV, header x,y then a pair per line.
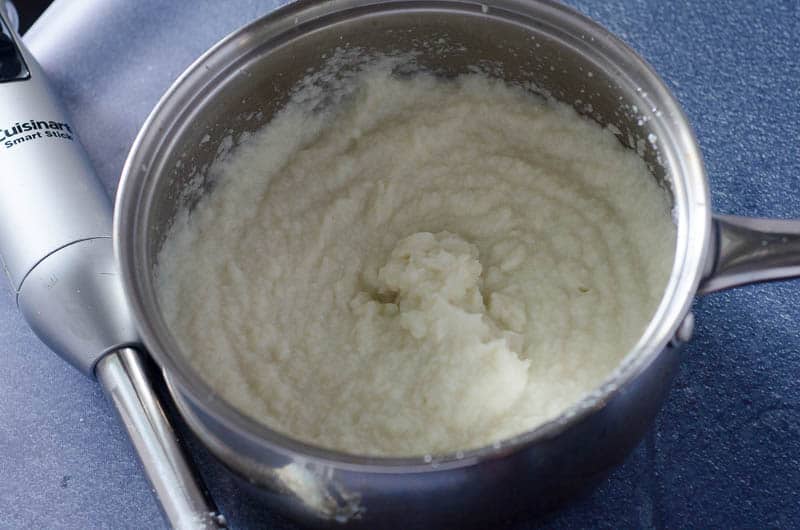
x,y
127,385
750,250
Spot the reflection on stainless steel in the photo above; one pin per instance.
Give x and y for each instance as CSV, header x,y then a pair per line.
x,y
751,250
122,375
314,486
11,13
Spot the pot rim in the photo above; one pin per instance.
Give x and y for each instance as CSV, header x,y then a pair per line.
x,y
689,186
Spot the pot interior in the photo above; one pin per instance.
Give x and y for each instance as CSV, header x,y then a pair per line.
x,y
246,94
237,88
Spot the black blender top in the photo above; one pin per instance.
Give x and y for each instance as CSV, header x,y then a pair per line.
x,y
12,65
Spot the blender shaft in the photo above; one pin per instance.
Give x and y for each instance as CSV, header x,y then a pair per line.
x,y
123,377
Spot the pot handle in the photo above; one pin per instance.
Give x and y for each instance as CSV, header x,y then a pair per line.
x,y
750,250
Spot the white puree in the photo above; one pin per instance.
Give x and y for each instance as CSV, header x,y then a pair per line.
x,y
433,267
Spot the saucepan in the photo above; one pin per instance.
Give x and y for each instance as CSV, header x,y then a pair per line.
x,y
239,84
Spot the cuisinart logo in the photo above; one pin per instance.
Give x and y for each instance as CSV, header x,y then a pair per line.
x,y
22,132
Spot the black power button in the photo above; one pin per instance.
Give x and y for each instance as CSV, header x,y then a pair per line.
x,y
12,66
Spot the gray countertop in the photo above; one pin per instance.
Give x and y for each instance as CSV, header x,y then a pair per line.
x,y
725,451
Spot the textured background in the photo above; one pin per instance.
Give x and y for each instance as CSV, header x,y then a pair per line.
x,y
726,448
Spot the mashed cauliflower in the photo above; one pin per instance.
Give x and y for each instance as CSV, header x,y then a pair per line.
x,y
426,266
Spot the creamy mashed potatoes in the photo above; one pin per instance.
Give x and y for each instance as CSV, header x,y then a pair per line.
x,y
426,266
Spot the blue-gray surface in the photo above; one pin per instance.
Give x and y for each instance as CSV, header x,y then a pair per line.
x,y
725,452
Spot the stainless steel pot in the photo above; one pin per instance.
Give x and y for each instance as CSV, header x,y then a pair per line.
x,y
241,82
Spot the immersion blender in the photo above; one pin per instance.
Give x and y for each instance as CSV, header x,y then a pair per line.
x,y
55,242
